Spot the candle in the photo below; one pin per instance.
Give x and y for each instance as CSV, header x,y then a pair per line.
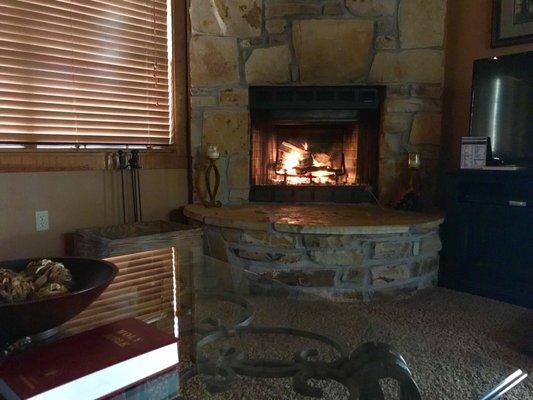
x,y
414,160
212,152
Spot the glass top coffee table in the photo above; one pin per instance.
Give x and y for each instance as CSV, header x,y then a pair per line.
x,y
245,335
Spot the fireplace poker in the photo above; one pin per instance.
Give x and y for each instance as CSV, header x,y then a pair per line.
x,y
122,165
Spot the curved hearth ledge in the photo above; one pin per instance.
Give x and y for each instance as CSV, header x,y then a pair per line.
x,y
342,252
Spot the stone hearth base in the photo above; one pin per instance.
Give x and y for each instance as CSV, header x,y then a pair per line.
x,y
342,252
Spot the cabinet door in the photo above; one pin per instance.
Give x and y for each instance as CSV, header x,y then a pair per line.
x,y
495,247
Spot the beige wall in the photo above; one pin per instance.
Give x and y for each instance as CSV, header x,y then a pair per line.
x,y
467,39
75,200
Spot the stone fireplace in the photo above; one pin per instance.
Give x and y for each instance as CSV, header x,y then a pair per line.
x,y
396,44
314,143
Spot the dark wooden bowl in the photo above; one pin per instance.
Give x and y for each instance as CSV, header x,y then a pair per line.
x,y
91,278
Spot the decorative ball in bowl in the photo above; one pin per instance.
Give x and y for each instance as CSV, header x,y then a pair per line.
x,y
49,304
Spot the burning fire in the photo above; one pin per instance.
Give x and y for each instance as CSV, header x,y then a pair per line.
x,y
298,166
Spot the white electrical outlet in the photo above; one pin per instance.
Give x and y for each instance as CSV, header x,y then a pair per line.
x,y
41,221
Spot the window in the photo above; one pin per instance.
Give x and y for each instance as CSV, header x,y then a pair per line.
x,y
86,72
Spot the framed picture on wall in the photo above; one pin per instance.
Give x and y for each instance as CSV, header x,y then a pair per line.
x,y
512,22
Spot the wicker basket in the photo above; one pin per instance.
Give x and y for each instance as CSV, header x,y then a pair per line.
x,y
155,260
131,238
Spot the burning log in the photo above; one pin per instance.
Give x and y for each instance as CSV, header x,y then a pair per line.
x,y
287,147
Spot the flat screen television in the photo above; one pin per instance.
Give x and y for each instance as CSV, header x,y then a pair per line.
x,y
502,106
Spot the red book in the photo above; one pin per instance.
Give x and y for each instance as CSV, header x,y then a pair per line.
x,y
89,365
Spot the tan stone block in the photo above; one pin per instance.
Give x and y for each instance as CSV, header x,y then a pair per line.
x,y
203,101
431,91
231,235
397,122
386,42
213,61
412,104
264,238
421,23
253,255
390,273
228,129
285,9
355,275
400,90
371,8
269,65
333,9
234,97
286,258
239,18
426,129
274,26
238,171
332,257
393,176
239,196
391,145
332,50
392,250
422,66
331,241
323,278
430,245
426,266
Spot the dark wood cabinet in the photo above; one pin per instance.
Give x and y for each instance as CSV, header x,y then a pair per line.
x,y
488,235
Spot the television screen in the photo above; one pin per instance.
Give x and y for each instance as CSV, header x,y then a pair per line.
x,y
502,106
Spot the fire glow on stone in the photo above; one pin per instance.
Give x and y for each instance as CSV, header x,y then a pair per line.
x,y
299,166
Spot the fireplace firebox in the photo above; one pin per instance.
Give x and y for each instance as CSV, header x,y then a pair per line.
x,y
314,144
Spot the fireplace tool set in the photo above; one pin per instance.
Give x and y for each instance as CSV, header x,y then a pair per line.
x,y
132,163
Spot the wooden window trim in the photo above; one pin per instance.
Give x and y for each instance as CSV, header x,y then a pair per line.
x,y
45,160
174,156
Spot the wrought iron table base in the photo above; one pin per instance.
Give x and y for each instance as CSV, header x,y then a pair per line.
x,y
359,372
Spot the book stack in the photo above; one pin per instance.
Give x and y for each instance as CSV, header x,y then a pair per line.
x,y
128,357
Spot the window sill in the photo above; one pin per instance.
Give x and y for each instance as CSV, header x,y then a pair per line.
x,y
45,160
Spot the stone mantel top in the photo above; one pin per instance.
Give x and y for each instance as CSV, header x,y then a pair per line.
x,y
329,219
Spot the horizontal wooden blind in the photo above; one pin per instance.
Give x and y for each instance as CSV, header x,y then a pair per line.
x,y
85,71
144,289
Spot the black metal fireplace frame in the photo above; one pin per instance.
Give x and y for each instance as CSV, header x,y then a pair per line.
x,y
316,105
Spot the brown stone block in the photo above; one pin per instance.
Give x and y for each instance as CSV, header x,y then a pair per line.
x,y
332,51
275,26
390,273
213,61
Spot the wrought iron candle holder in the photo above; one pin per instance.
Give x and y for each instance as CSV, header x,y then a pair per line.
x,y
213,155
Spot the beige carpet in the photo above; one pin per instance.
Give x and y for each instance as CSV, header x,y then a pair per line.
x,y
456,344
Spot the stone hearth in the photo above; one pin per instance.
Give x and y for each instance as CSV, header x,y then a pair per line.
x,y
342,252
395,43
